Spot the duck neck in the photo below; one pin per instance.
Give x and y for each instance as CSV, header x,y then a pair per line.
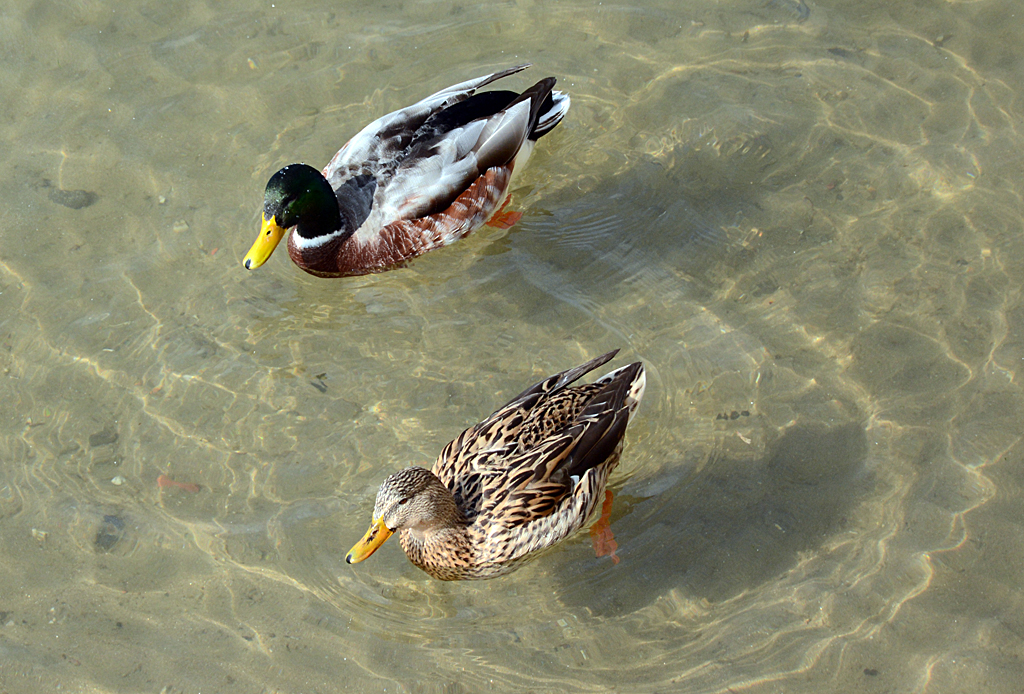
x,y
337,213
443,552
322,218
442,541
316,249
445,515
320,245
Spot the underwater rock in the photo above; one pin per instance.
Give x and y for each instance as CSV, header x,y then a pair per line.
x,y
110,532
75,199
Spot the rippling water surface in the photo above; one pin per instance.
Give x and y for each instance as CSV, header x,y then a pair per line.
x,y
806,219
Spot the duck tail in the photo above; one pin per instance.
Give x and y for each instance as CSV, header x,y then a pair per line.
x,y
554,108
547,107
634,378
603,421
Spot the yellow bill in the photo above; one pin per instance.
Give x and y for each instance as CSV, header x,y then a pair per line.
x,y
373,539
270,235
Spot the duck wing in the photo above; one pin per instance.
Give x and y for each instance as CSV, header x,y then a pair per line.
x,y
424,157
481,456
539,479
551,490
394,131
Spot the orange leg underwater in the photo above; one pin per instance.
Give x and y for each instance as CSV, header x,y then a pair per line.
x,y
601,532
504,219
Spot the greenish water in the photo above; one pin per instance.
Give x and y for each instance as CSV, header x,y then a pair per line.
x,y
806,219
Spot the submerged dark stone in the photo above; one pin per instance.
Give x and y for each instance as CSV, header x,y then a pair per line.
x,y
102,438
75,199
110,533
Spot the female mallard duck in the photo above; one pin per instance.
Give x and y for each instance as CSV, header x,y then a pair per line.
x,y
521,480
409,182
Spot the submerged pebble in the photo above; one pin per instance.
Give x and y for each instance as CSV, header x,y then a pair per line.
x,y
75,199
110,533
102,438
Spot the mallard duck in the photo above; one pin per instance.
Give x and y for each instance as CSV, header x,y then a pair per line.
x,y
526,477
411,181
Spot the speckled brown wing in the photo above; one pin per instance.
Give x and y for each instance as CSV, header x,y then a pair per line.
x,y
529,489
555,483
541,479
483,450
502,427
555,413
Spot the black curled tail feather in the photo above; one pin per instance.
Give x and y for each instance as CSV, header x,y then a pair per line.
x,y
547,106
554,108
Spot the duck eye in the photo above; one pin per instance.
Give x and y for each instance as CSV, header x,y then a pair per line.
x,y
401,502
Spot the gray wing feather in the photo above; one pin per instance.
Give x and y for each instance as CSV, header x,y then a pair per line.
x,y
383,134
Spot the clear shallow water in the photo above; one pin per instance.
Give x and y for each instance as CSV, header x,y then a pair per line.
x,y
814,218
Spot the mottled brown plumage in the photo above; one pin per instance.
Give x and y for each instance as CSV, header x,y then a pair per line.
x,y
526,477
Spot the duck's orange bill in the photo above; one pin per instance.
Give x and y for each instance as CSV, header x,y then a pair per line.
x,y
373,539
270,235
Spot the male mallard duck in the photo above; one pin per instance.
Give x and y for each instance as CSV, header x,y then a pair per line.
x,y
409,182
521,480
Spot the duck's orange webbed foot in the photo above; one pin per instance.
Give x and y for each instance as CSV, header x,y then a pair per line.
x,y
504,219
601,532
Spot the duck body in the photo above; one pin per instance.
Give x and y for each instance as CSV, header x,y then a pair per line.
x,y
528,476
413,180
